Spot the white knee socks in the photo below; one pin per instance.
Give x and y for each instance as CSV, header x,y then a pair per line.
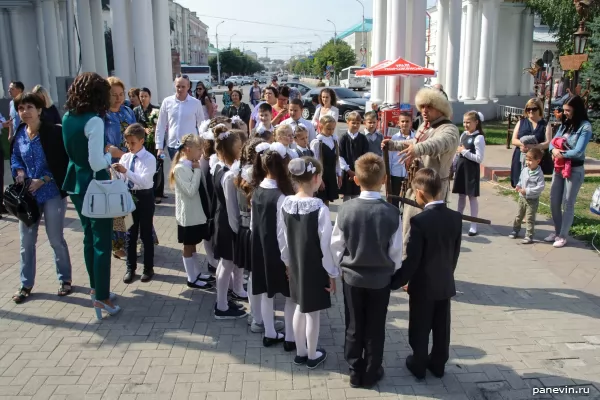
x,y
266,309
288,315
473,207
306,329
223,277
201,272
238,282
189,263
254,300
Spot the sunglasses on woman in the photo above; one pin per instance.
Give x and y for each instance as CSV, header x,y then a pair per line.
x,y
533,109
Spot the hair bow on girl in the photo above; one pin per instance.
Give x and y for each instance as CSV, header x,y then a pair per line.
x,y
247,174
262,147
204,126
235,119
223,135
208,135
311,168
279,149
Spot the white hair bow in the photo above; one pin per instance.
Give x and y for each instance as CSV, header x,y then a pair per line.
x,y
223,135
204,126
311,168
235,119
262,147
208,135
247,173
279,148
295,126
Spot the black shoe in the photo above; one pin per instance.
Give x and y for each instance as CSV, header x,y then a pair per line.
x,y
212,269
410,364
164,196
206,278
355,379
231,313
367,384
193,285
233,304
3,210
289,346
129,275
233,296
147,275
300,360
312,364
268,342
437,372
158,200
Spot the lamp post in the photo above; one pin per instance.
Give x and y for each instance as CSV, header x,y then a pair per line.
x,y
231,37
362,45
574,61
334,30
321,40
218,62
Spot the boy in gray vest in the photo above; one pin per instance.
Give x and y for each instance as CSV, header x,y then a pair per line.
x,y
367,244
375,137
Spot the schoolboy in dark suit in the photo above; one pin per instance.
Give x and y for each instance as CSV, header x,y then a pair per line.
x,y
432,254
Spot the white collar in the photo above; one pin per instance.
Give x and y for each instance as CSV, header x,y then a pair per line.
x,y
320,136
375,132
186,163
182,101
269,183
353,135
301,148
433,203
369,195
473,133
140,153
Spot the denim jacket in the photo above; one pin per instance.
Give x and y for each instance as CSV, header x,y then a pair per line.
x,y
577,141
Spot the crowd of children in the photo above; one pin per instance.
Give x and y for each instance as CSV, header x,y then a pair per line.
x,y
259,205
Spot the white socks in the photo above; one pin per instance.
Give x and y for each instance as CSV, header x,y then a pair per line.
x,y
199,268
306,329
238,282
288,315
189,263
268,315
254,300
473,207
224,271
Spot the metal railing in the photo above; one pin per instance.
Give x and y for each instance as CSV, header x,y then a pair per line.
x,y
502,112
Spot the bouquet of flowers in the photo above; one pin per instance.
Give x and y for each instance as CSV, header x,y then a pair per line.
x,y
151,128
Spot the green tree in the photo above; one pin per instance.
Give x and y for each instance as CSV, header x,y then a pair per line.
x,y
561,17
234,62
339,54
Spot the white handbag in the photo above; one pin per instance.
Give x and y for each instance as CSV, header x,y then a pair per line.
x,y
595,205
107,199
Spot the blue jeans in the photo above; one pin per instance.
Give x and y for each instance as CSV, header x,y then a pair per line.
x,y
53,211
172,152
563,194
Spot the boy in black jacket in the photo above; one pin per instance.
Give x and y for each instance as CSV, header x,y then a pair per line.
x,y
431,257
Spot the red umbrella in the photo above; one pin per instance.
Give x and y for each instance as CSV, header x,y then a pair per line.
x,y
395,68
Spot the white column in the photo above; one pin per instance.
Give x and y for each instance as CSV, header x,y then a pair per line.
x,y
44,71
59,36
515,64
72,63
52,51
17,44
122,48
453,49
397,47
379,26
64,45
5,48
493,78
99,42
388,30
485,57
527,43
162,41
476,48
405,83
467,59
463,31
143,40
419,40
84,25
441,40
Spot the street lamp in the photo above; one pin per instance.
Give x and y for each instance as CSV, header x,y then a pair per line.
x,y
334,30
362,46
218,62
319,39
231,37
580,38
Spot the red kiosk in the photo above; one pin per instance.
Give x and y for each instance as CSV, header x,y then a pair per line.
x,y
399,67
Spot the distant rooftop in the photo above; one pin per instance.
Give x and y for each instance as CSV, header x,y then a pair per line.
x,y
357,28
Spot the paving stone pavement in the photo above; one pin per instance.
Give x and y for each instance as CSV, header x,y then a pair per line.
x,y
525,317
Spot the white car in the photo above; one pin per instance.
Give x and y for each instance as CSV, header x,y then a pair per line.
x,y
235,79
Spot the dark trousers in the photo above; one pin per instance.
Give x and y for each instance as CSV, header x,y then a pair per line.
x,y
142,226
97,244
366,310
429,316
2,176
159,178
396,187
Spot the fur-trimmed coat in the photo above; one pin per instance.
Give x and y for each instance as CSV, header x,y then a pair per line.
x,y
435,152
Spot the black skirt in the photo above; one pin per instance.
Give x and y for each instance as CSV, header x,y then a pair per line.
x,y
192,235
466,177
243,249
331,191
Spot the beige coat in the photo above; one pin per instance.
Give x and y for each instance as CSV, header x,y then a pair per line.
x,y
436,152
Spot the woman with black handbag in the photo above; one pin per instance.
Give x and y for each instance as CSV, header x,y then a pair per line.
x,y
38,156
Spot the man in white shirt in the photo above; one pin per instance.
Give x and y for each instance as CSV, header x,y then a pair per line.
x,y
137,169
296,119
179,115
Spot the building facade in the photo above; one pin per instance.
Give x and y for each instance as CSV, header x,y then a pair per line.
x,y
359,39
189,35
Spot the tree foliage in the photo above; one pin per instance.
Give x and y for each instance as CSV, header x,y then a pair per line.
x,y
561,17
592,71
234,62
339,54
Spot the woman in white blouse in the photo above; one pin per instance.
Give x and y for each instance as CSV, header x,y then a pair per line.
x,y
327,101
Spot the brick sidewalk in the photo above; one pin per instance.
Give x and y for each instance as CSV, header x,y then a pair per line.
x,y
525,317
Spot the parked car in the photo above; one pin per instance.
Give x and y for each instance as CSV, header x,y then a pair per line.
x,y
302,88
246,80
284,78
235,79
347,101
263,79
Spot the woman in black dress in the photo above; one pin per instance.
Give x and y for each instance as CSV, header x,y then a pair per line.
x,y
533,124
304,236
326,149
237,107
467,174
50,114
272,183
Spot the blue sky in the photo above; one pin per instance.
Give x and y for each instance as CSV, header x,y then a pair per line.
x,y
299,21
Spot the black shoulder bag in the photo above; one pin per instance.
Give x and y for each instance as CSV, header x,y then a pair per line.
x,y
20,203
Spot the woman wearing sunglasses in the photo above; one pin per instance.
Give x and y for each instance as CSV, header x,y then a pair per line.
x,y
202,95
532,125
